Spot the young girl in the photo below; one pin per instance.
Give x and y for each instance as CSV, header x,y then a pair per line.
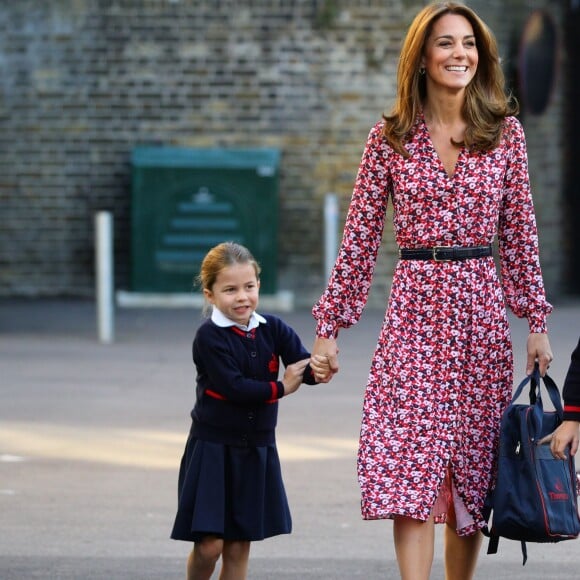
x,y
230,483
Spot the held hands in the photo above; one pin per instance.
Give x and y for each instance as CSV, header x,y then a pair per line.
x,y
320,368
293,376
538,351
324,359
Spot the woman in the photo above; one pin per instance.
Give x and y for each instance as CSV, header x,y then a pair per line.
x,y
452,159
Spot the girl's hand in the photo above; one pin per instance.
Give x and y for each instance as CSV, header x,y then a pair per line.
x,y
538,351
293,375
324,359
321,367
566,434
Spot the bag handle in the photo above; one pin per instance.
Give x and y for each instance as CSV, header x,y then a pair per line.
x,y
535,391
536,396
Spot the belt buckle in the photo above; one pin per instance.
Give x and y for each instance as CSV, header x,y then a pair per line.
x,y
436,249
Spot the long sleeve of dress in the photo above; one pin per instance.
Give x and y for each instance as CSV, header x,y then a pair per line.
x,y
518,238
344,299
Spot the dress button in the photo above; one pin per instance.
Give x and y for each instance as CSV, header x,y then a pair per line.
x,y
249,335
251,416
253,354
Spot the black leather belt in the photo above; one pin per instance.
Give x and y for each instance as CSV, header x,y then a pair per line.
x,y
445,253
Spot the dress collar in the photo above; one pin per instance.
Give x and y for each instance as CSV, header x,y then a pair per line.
x,y
220,319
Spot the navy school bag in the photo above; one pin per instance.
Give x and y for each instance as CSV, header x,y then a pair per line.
x,y
535,495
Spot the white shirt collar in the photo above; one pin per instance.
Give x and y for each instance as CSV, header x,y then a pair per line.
x,y
220,319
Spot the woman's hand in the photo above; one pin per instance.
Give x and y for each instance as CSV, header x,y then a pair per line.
x,y
538,351
324,359
566,434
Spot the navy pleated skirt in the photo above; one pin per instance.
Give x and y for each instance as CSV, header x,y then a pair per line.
x,y
235,493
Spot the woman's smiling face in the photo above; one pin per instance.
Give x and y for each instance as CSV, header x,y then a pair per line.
x,y
450,54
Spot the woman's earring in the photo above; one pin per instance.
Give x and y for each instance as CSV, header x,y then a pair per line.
x,y
422,71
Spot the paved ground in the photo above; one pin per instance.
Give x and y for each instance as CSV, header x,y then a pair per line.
x,y
91,436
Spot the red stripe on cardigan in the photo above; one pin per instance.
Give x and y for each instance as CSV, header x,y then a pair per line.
x,y
214,395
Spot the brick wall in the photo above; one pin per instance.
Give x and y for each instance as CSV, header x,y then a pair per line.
x,y
544,133
83,81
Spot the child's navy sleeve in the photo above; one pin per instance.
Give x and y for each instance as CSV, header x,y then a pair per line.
x,y
290,347
571,390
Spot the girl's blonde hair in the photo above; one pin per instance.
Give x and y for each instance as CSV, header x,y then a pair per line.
x,y
486,102
220,257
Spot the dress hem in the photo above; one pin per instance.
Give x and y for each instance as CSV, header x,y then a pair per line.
x,y
466,531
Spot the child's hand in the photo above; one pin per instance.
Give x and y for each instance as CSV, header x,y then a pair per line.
x,y
320,366
293,376
328,350
566,434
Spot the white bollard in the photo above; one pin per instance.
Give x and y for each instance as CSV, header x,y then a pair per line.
x,y
104,276
330,232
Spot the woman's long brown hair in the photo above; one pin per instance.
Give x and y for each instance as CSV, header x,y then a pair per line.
x,y
486,102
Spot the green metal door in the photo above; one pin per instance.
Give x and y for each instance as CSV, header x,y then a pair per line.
x,y
187,200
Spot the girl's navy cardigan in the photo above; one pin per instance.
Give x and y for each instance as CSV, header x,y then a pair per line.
x,y
571,390
237,387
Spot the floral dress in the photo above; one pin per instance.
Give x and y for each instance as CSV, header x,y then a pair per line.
x,y
442,371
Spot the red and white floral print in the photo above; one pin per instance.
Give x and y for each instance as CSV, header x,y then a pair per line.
x,y
442,371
